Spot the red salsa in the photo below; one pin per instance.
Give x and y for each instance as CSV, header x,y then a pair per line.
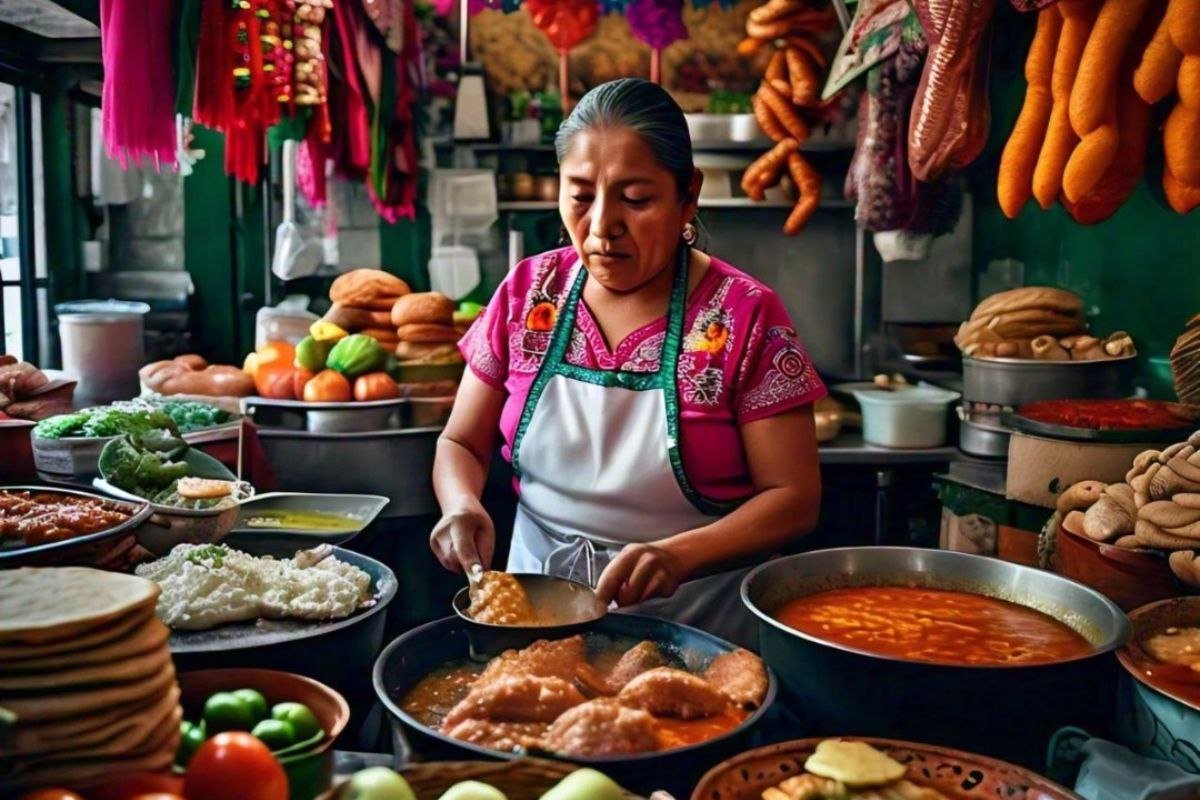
x,y
1113,415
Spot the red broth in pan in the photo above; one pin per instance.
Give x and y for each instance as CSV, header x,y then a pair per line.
x,y
934,625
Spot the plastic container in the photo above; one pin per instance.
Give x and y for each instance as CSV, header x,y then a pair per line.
x,y
905,418
287,322
102,347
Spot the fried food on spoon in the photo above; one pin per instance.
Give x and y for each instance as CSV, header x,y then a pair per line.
x,y
667,692
513,698
741,676
498,598
601,727
543,659
506,736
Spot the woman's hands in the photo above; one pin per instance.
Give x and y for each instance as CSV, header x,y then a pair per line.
x,y
640,572
463,538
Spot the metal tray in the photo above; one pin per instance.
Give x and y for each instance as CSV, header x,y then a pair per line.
x,y
363,508
78,550
264,633
1050,430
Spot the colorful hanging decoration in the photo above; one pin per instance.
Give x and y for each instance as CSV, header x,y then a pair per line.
x,y
657,24
565,23
138,104
373,103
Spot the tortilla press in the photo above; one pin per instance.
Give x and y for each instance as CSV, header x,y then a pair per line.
x,y
570,606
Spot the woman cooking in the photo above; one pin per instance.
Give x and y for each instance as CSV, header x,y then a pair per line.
x,y
655,402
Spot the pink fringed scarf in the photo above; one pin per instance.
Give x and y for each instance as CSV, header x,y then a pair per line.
x,y
139,86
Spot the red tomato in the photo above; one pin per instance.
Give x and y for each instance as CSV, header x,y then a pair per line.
x,y
157,796
137,785
51,794
235,766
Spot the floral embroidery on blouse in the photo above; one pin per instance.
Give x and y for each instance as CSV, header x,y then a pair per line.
x,y
703,387
739,359
484,361
791,373
645,358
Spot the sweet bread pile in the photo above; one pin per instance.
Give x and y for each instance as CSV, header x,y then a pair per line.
x,y
419,327
362,303
1036,322
1157,507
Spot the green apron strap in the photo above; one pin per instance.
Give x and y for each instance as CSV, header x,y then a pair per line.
x,y
560,338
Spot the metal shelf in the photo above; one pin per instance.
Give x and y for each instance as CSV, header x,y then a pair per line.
x,y
729,202
757,146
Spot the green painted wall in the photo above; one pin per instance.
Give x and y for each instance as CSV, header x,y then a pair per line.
x,y
208,251
1139,270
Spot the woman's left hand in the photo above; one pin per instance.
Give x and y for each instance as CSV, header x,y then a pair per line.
x,y
640,572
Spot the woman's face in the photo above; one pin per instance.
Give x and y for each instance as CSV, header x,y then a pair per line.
x,y
623,211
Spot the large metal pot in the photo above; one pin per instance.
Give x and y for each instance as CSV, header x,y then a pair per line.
x,y
415,654
1014,381
397,464
1008,712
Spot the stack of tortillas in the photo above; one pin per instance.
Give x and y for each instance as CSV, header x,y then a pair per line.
x,y
87,687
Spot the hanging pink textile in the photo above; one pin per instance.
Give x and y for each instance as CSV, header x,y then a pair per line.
x,y
138,103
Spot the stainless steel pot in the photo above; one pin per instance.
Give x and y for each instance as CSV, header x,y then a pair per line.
x,y
982,435
1008,712
397,464
420,651
1013,381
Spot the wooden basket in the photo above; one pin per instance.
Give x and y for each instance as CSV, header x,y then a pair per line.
x,y
522,779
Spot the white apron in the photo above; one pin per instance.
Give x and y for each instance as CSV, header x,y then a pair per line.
x,y
597,455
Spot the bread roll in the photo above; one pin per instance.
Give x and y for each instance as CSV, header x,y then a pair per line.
x,y
362,286
427,353
177,377
430,308
385,336
1029,297
353,318
428,334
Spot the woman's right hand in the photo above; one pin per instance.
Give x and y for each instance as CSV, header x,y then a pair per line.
x,y
464,538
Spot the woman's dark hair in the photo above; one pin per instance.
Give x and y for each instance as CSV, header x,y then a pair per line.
x,y
646,109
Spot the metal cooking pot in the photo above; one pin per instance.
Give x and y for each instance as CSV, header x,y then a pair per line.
x,y
415,654
1008,712
1014,381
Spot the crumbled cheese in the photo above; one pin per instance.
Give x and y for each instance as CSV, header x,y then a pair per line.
x,y
201,590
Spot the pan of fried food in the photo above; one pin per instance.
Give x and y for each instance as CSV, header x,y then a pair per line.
x,y
645,700
499,607
870,769
41,526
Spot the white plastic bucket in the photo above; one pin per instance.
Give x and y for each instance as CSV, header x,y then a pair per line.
x,y
905,418
102,347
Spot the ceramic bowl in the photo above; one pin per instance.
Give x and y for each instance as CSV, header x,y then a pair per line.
x,y
960,775
310,770
1159,706
1130,578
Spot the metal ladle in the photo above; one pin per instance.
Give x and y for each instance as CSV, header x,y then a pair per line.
x,y
570,607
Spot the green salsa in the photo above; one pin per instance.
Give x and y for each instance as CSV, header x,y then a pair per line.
x,y
302,521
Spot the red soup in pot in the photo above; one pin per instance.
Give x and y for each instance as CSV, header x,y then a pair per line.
x,y
934,625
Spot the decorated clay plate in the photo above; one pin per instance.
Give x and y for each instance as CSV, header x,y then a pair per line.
x,y
959,775
1180,683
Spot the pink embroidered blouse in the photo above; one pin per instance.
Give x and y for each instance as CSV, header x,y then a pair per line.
x,y
740,361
